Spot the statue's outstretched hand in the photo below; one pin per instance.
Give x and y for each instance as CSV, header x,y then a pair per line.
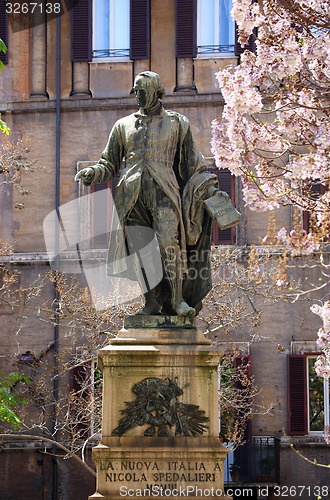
x,y
86,175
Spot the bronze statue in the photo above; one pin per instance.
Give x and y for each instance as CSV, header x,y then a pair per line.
x,y
163,185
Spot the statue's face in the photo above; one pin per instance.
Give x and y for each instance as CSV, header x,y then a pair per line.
x,y
145,92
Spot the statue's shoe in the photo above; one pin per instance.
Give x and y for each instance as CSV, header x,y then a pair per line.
x,y
184,310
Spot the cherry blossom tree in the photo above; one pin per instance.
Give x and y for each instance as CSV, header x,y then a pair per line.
x,y
274,132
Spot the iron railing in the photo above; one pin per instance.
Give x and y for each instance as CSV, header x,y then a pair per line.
x,y
257,461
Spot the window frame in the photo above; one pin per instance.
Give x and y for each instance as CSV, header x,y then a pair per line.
x,y
211,51
113,54
138,26
326,399
298,395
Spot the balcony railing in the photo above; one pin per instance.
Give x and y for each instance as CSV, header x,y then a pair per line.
x,y
257,461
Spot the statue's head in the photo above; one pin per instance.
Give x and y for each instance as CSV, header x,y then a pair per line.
x,y
148,89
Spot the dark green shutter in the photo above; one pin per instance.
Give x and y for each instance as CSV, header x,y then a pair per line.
x,y
186,28
81,31
140,29
297,395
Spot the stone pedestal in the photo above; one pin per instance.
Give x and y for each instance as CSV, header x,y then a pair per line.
x,y
160,421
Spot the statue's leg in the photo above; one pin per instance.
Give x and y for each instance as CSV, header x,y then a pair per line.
x,y
138,239
156,210
166,225
151,305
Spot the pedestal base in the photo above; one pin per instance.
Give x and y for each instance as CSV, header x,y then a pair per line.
x,y
160,418
174,467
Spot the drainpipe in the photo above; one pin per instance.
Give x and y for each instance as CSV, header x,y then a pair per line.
x,y
57,228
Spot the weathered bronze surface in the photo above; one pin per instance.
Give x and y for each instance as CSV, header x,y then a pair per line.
x,y
163,185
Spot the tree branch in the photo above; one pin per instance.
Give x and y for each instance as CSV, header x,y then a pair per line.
x,y
40,438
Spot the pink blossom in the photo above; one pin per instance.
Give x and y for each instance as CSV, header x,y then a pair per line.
x,y
246,99
274,131
298,243
324,313
322,364
323,340
247,16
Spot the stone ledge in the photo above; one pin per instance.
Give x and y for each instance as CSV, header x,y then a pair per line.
x,y
158,321
142,329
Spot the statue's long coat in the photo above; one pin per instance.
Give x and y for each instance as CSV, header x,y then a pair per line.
x,y
163,144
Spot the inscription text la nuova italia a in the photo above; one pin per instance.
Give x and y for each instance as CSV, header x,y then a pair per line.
x,y
160,472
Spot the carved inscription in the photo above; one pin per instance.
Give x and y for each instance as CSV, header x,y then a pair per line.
x,y
166,474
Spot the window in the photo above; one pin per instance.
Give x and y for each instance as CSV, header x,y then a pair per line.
x,y
308,396
204,27
318,398
111,28
215,27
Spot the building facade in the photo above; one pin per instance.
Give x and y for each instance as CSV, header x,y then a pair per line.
x,y
67,79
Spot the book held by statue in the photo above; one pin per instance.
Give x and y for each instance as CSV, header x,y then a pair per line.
x,y
221,210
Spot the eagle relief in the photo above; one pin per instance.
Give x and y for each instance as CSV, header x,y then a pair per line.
x,y
157,406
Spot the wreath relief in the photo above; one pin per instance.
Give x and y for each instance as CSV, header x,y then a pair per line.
x,y
157,405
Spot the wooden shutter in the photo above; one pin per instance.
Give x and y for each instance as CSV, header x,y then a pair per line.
x,y
81,31
227,184
297,394
249,46
3,30
186,28
140,29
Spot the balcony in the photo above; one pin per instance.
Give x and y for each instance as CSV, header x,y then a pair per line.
x,y
256,462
